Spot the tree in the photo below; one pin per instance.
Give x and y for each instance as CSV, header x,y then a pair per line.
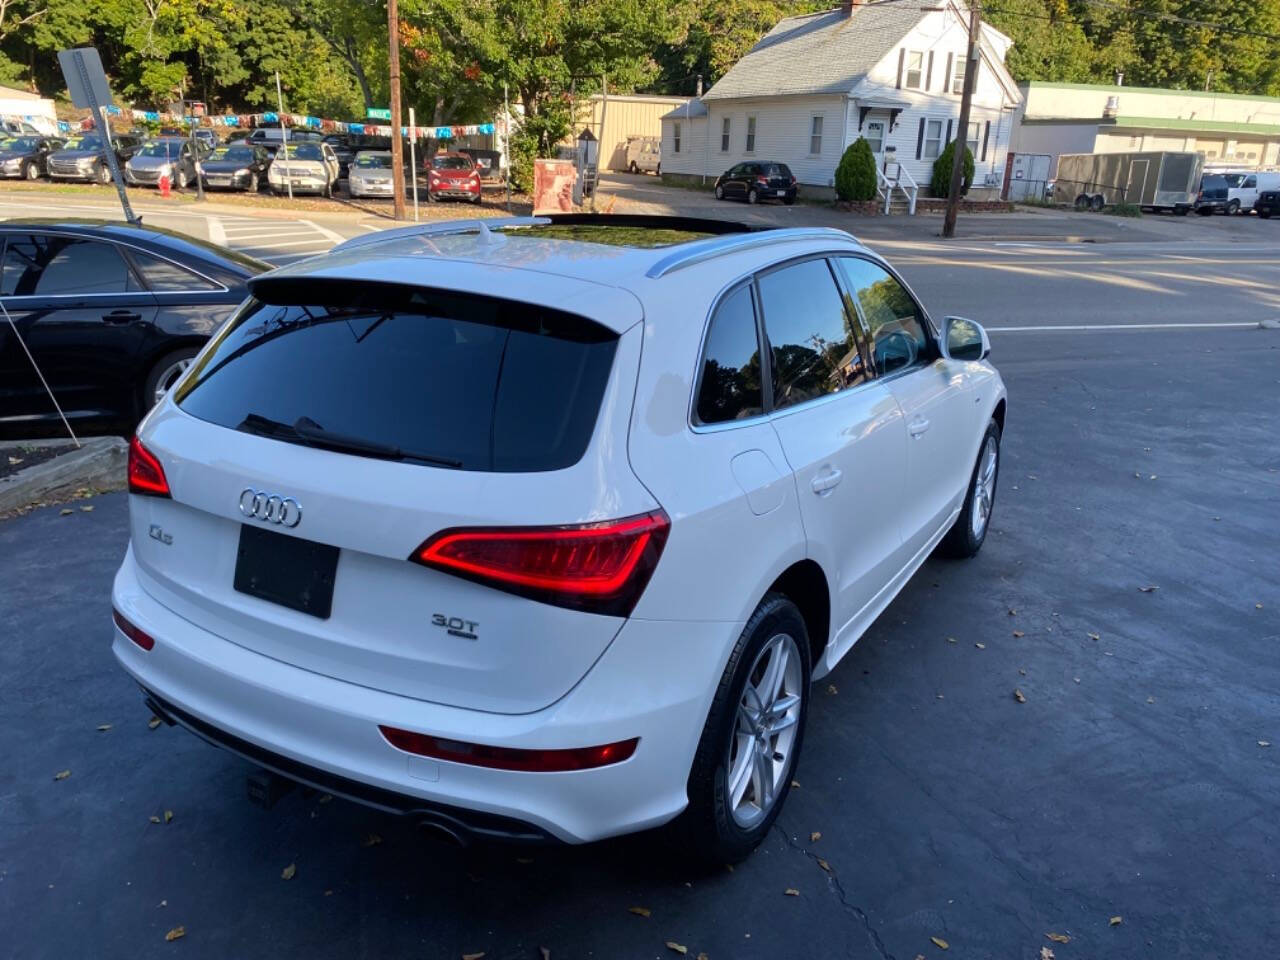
x,y
941,183
856,172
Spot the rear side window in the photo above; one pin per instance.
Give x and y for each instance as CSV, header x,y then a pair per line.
x,y
811,334
47,266
892,317
731,387
467,381
164,276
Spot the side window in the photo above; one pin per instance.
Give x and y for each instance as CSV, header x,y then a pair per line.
x,y
163,276
731,387
811,335
894,321
1250,181
45,266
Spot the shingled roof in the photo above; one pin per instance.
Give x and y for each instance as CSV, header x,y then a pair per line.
x,y
820,53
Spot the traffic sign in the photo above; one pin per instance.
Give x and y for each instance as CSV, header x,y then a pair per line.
x,y
378,113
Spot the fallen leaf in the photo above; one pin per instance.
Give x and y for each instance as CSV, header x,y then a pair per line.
x,y
795,784
1148,589
702,956
104,727
640,911
1151,699
1116,921
325,798
831,689
677,947
88,509
815,836
1018,633
163,903
983,646
1058,937
1152,477
791,892
372,840
941,697
288,872
153,722
328,893
66,513
1257,606
14,461
951,639
1095,636
1019,696
1046,954
155,819
1264,743
940,943
824,865
1013,612
177,933
1076,679
473,956
168,815
62,774
544,953
1022,673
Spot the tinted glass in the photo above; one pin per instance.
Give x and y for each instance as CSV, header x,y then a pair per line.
x,y
731,386
304,151
234,154
163,276
61,266
892,317
374,160
1233,179
815,350
20,144
161,148
84,143
491,384
452,163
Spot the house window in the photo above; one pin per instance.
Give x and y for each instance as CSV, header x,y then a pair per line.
x,y
751,134
914,78
974,140
675,137
874,134
724,135
932,139
957,77
815,135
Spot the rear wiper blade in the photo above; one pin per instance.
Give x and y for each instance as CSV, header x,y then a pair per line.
x,y
311,432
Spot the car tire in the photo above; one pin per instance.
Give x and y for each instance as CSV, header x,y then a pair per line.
x,y
657,171
633,168
1265,214
254,184
1082,202
180,180
719,192
164,373
103,174
1233,207
1205,211
30,171
1181,211
753,196
788,200
714,828
966,536
1097,202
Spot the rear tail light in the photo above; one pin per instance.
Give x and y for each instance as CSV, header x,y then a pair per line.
x,y
137,635
763,181
597,567
793,180
146,476
510,758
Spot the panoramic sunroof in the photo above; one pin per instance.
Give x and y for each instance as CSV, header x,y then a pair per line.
x,y
614,235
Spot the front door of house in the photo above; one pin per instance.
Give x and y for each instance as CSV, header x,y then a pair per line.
x,y
874,131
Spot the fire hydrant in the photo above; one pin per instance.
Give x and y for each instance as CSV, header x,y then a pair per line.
x,y
163,184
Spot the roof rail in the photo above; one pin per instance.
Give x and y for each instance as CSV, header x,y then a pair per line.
x,y
480,225
687,254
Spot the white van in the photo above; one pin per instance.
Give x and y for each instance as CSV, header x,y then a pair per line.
x,y
644,155
1243,187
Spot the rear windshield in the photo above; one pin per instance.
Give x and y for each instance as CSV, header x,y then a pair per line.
x,y
452,163
1214,182
471,382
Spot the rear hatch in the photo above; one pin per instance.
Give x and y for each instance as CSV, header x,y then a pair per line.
x,y
1213,188
377,416
778,176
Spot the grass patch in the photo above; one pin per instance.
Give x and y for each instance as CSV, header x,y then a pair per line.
x,y
1123,210
1041,202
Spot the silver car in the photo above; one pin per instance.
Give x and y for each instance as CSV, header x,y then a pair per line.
x,y
370,174
169,157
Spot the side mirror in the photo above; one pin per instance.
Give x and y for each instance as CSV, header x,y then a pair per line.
x,y
964,339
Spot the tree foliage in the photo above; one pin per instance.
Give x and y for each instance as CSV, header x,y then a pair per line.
x,y
940,185
856,172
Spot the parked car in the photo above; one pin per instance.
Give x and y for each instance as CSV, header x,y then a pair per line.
x,y
1243,188
166,157
488,162
344,149
27,156
18,128
371,174
271,137
1212,196
111,313
756,181
208,135
644,155
1268,203
306,167
453,175
539,582
236,166
84,157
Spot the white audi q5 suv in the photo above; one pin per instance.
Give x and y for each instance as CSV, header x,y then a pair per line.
x,y
543,530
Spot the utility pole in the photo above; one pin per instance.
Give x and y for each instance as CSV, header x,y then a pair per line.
x,y
397,147
506,141
962,135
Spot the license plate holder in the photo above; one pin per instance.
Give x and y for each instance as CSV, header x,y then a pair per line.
x,y
782,193
288,571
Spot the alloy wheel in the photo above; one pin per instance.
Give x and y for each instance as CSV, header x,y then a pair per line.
x,y
169,376
984,489
762,744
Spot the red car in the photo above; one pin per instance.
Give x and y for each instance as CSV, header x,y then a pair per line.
x,y
453,175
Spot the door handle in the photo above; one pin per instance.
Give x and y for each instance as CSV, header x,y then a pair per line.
x,y
826,482
918,426
121,316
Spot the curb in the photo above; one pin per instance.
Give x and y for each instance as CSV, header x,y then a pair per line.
x,y
100,463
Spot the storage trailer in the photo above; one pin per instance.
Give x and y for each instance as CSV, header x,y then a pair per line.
x,y
1154,180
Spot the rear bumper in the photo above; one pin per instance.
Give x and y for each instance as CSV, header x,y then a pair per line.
x,y
655,682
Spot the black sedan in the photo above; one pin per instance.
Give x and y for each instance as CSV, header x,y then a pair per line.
x,y
83,157
1268,204
756,181
111,314
236,166
26,156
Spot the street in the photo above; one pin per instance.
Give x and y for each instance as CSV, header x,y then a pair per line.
x,y
1128,593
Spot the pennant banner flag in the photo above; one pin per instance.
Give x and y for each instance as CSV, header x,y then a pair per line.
x,y
293,120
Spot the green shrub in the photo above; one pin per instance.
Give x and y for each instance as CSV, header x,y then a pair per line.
x,y
1123,210
856,174
941,184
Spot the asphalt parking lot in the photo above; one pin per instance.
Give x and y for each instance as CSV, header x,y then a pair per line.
x,y
1132,783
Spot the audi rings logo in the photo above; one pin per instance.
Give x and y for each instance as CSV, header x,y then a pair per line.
x,y
269,508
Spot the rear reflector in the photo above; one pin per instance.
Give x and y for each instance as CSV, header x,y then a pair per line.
x,y
146,476
510,758
598,567
140,637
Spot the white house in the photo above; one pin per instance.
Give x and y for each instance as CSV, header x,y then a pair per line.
x,y
890,72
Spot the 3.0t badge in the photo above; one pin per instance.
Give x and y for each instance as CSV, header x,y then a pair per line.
x,y
270,508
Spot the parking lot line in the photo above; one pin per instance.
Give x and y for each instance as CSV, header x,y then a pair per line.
x,y
288,243
1085,327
